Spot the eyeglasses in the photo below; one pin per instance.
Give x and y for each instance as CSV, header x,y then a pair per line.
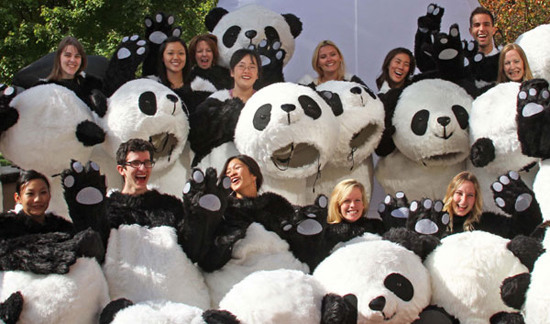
x,y
136,164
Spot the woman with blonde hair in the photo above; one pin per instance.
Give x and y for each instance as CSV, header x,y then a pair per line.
x,y
513,65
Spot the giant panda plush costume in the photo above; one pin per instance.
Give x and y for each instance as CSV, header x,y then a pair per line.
x,y
535,44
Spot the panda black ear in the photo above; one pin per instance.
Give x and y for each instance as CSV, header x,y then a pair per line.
x,y
109,312
294,23
526,249
421,245
213,17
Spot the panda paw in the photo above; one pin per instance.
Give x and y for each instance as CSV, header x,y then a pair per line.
x,y
533,114
472,56
394,211
203,193
8,115
427,217
512,195
159,27
309,219
448,47
131,49
431,22
11,308
84,185
271,53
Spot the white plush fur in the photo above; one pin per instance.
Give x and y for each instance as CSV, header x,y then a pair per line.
x,y
423,165
537,297
277,297
124,120
541,188
44,137
147,264
162,312
493,116
252,17
76,297
536,45
361,125
467,270
361,269
313,140
258,250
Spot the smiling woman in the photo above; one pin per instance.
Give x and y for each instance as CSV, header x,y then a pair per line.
x,y
246,177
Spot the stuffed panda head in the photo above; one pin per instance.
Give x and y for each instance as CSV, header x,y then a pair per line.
x,y
290,135
146,109
390,281
536,45
249,25
360,115
431,122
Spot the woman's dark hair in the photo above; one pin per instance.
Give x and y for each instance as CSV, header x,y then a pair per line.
x,y
252,165
161,68
57,72
238,56
212,42
26,176
385,75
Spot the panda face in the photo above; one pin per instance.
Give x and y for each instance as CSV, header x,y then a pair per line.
x,y
148,110
431,121
390,282
360,115
290,135
249,25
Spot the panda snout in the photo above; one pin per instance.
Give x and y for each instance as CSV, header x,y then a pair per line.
x,y
250,34
443,121
378,303
288,107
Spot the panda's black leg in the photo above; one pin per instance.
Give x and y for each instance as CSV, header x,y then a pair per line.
x,y
513,196
394,211
8,115
533,118
11,308
427,217
157,29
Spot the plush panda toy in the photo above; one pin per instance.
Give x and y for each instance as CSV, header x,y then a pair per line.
x,y
360,115
292,137
495,147
429,144
535,44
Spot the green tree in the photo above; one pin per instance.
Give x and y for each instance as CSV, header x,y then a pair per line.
x,y
33,28
514,17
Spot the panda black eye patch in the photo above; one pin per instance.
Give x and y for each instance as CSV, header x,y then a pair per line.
x,y
310,106
400,286
419,123
461,115
230,36
262,117
271,34
148,103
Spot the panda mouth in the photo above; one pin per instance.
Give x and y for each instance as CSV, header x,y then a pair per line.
x,y
294,156
164,144
443,157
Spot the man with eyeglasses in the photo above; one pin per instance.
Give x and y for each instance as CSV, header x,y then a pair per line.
x,y
134,163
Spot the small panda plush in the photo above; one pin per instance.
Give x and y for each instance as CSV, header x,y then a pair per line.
x,y
428,140
535,44
291,137
495,147
360,115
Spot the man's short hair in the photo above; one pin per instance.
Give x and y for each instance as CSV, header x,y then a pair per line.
x,y
482,10
133,145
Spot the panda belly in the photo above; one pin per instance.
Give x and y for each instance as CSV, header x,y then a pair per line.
x,y
541,188
75,297
258,250
148,264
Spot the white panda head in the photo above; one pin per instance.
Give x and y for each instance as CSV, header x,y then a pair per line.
x,y
536,45
360,115
289,129
431,122
493,128
146,109
249,25
45,135
390,281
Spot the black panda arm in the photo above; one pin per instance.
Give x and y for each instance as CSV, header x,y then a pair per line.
x,y
11,308
394,211
272,60
533,118
157,29
434,314
428,25
507,318
513,290
8,115
215,316
389,99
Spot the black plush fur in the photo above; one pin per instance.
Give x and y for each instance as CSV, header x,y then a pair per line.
x,y
109,311
218,76
421,245
533,131
428,26
214,316
513,290
482,152
153,29
11,308
338,309
526,249
506,318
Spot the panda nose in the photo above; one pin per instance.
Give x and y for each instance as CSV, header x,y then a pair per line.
x,y
378,303
288,107
250,34
172,98
444,121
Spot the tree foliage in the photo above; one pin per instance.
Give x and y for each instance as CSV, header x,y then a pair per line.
x,y
32,28
514,17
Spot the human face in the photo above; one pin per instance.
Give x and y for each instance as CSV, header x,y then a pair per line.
x,y
329,60
174,57
482,31
34,196
70,61
352,206
243,182
135,179
513,66
245,73
399,68
464,199
204,55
